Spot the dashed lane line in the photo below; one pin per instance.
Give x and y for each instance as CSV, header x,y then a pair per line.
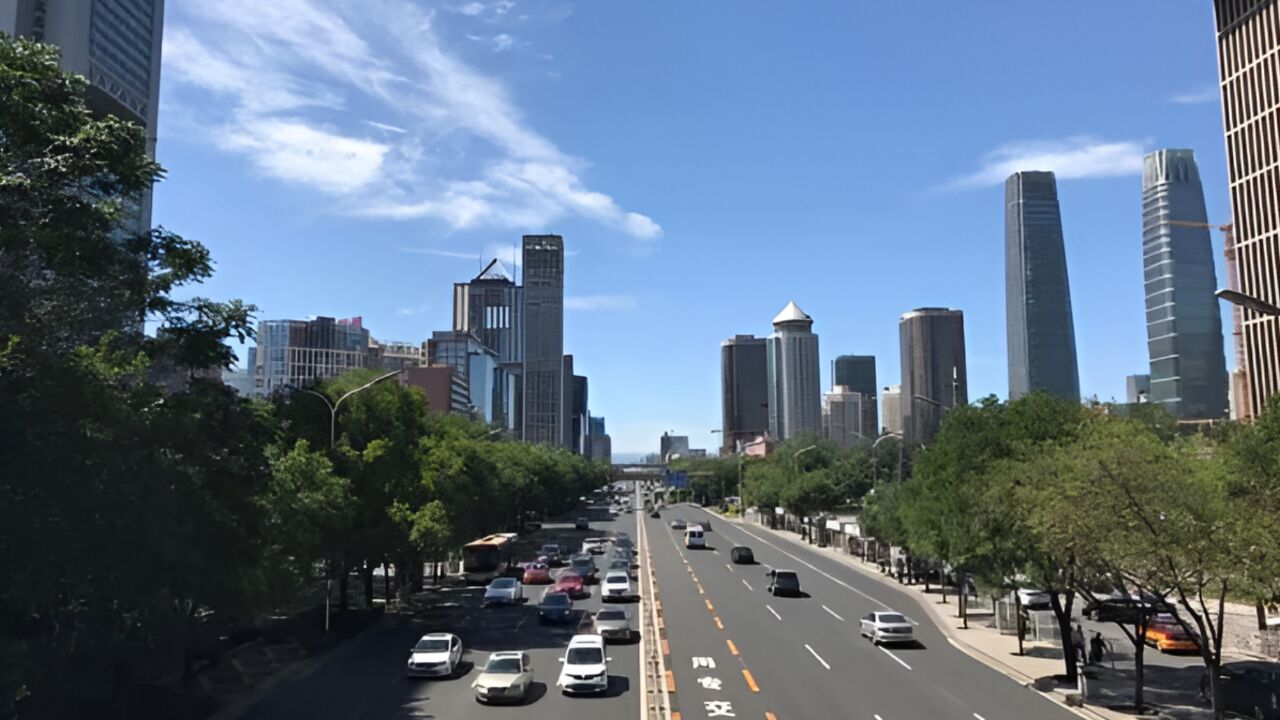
x,y
812,567
979,716
816,656
744,582
732,648
728,567
719,624
751,682
833,613
775,612
895,657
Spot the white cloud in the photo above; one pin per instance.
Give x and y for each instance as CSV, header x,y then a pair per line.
x,y
414,310
1198,97
293,82
599,302
1072,158
441,253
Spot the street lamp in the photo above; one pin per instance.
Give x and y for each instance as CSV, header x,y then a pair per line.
x,y
1257,305
875,466
333,406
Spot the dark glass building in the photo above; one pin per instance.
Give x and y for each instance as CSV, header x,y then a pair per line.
x,y
1184,329
744,378
858,373
1041,334
544,378
934,378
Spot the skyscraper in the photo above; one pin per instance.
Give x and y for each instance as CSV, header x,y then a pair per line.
x,y
477,367
795,389
544,380
892,410
933,370
113,43
1041,334
858,373
491,307
744,394
297,353
1184,328
842,416
1249,66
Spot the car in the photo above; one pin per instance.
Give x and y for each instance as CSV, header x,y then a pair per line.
x,y
616,586
536,574
694,539
678,524
1033,599
503,591
613,624
595,545
887,627
581,524
554,554
1165,634
783,582
571,584
626,509
586,666
655,513
1251,688
621,564
742,555
622,539
506,677
706,525
585,566
435,655
556,606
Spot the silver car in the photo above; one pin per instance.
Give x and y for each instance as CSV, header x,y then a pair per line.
x,y
506,677
435,655
503,591
614,624
887,627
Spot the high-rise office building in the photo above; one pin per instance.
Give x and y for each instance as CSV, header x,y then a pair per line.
x,y
842,416
475,365
599,445
1041,334
795,387
858,373
544,379
1137,388
297,353
491,307
1184,328
395,354
113,43
891,397
744,394
933,370
1249,65
578,414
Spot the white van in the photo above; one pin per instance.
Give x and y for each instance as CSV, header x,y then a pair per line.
x,y
693,537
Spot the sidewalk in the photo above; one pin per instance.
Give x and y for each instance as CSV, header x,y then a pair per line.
x,y
1170,686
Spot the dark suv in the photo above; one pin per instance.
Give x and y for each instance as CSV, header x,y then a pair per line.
x,y
783,582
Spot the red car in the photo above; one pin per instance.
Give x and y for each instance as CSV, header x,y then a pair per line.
x,y
536,574
571,584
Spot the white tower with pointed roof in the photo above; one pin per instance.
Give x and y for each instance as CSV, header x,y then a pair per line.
x,y
795,386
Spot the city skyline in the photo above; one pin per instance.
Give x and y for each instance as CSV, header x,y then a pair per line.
x,y
836,198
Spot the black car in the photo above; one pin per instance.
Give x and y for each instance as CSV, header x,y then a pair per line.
x,y
556,608
1251,688
783,582
581,524
742,555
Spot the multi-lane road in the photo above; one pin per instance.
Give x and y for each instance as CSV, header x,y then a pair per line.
x,y
366,681
737,651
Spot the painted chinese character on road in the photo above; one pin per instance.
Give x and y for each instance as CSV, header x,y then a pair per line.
x,y
709,683
719,708
704,662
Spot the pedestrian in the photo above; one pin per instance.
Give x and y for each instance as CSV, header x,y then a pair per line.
x,y
1077,643
1097,649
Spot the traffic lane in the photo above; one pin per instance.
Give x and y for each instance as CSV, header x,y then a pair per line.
x,y
958,677
367,679
709,677
804,665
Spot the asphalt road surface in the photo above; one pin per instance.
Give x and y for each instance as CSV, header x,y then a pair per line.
x,y
366,679
737,651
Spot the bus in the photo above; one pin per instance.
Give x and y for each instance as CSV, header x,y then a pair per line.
x,y
487,558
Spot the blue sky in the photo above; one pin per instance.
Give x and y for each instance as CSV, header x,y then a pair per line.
x,y
705,162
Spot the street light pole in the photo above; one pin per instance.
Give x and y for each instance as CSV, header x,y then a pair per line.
x,y
1257,305
333,406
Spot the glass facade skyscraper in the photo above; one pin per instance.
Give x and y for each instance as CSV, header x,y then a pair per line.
x,y
858,374
296,353
1041,333
544,379
744,394
1184,328
934,376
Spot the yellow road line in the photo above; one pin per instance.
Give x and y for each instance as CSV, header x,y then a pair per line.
x,y
767,716
719,624
710,607
732,648
751,682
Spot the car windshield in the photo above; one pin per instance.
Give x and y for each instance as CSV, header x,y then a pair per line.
x,y
619,564
892,618
556,599
611,615
616,578
583,561
503,665
503,584
431,645
585,656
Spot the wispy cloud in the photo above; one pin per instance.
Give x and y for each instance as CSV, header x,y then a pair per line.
x,y
441,253
414,309
1197,97
289,85
599,302
1071,158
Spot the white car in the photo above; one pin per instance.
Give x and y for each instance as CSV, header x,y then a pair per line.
x,y
614,623
503,591
616,586
586,668
435,655
887,627
595,545
506,677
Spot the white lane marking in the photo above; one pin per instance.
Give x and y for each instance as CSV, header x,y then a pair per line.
x,y
833,613
979,716
823,573
775,612
877,717
744,582
730,567
817,657
895,657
